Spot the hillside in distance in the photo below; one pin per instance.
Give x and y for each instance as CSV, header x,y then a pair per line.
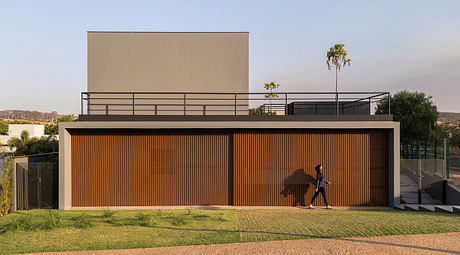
x,y
29,115
450,117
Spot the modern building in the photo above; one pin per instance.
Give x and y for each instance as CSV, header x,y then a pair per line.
x,y
15,130
165,122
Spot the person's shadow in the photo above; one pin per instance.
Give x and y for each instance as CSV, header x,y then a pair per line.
x,y
297,185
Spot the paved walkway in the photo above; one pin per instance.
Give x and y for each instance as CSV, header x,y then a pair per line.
x,y
445,243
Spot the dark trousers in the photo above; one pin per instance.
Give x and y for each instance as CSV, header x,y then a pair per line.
x,y
323,192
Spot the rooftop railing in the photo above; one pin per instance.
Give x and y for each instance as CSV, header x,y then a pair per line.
x,y
210,103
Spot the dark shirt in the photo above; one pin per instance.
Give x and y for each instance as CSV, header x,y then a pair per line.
x,y
319,180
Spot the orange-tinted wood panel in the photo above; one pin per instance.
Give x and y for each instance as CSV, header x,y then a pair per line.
x,y
277,167
148,168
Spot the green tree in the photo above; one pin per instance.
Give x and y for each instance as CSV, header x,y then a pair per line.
x,y
447,130
270,86
337,57
35,145
416,113
20,143
455,139
3,127
53,129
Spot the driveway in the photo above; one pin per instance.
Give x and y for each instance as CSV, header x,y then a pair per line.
x,y
445,243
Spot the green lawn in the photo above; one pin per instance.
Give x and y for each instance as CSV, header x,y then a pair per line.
x,y
136,229
265,225
169,227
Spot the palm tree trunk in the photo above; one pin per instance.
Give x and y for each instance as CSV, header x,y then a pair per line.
x,y
336,93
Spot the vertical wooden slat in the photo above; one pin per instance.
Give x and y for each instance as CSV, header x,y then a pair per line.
x,y
146,168
239,167
355,161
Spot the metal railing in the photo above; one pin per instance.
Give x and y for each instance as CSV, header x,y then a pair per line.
x,y
210,103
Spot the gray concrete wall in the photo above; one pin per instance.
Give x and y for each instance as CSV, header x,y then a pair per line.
x,y
65,142
452,193
168,62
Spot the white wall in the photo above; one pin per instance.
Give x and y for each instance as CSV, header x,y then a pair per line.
x,y
14,130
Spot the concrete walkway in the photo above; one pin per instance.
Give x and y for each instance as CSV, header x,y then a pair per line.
x,y
445,243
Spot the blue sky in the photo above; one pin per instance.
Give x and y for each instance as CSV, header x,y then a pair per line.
x,y
394,45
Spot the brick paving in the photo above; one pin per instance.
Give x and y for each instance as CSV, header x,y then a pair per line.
x,y
270,225
443,243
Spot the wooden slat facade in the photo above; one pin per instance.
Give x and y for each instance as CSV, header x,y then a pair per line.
x,y
277,167
149,168
221,167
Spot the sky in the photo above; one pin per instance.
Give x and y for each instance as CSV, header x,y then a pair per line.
x,y
393,45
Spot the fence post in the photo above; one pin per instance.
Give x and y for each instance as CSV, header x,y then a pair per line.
x,y
106,109
389,103
39,184
156,110
435,155
370,106
185,103
88,103
448,158
285,104
235,103
444,160
133,103
419,193
204,109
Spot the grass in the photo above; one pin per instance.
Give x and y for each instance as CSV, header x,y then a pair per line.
x,y
265,225
130,230
30,231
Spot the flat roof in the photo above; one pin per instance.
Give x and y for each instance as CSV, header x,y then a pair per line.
x,y
245,118
167,32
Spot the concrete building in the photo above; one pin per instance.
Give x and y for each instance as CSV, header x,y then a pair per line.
x,y
165,123
15,130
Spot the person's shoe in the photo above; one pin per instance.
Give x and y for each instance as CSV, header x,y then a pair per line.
x,y
311,207
328,207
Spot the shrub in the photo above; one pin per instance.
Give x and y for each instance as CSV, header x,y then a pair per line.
x,y
83,221
22,223
189,211
145,220
178,220
159,212
54,220
108,216
5,188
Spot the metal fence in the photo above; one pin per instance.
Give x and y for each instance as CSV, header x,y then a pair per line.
x,y
422,181
435,149
424,170
198,103
37,182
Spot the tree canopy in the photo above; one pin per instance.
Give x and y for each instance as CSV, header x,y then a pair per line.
x,y
416,113
35,145
337,56
53,129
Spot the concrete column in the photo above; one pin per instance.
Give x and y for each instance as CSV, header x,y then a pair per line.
x,y
65,168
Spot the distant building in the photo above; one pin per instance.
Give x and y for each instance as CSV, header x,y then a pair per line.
x,y
15,130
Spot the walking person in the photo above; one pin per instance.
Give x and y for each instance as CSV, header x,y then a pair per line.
x,y
320,187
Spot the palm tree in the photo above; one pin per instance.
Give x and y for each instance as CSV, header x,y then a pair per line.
x,y
337,56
